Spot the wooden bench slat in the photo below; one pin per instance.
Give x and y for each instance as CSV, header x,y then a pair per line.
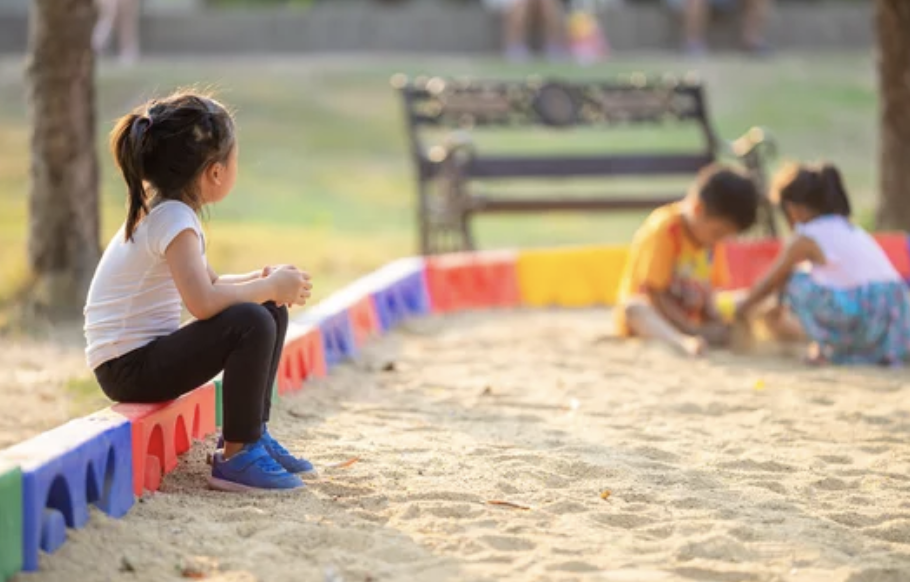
x,y
618,165
566,204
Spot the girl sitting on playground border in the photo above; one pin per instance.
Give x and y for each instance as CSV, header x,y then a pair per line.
x,y
840,291
667,288
178,155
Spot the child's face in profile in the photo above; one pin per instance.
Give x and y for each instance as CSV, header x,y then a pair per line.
x,y
218,179
708,230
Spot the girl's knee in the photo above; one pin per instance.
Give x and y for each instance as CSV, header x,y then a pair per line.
x,y
254,317
279,313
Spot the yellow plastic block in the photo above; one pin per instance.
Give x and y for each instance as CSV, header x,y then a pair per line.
x,y
570,277
725,303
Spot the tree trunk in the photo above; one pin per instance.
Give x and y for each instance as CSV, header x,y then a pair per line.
x,y
893,23
63,242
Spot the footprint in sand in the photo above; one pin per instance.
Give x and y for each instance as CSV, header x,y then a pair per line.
x,y
660,532
548,480
657,454
566,507
833,484
708,575
624,520
856,520
880,575
453,510
572,566
836,459
774,486
507,488
508,543
757,466
721,548
894,531
746,534
690,503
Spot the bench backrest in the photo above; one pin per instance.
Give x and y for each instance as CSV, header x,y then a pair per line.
x,y
436,103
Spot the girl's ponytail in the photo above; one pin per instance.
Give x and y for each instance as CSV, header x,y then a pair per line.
x,y
128,141
836,200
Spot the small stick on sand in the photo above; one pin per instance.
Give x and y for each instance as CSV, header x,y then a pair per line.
x,y
508,504
343,464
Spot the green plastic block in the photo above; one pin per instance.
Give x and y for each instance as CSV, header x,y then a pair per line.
x,y
218,399
10,520
218,413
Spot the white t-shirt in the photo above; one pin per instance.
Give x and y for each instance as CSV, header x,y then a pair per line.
x,y
852,257
133,299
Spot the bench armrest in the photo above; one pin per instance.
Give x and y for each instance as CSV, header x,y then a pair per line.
x,y
454,143
757,141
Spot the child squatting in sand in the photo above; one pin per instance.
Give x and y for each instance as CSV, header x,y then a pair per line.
x,y
667,289
839,289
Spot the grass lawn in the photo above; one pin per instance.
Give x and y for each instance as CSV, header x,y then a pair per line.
x,y
325,181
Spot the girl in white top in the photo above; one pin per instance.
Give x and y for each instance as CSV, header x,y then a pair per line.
x,y
177,155
845,294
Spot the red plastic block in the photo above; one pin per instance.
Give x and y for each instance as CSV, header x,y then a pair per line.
x,y
747,260
896,247
165,430
363,319
472,281
303,358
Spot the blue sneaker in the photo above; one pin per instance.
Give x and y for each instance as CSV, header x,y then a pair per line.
x,y
252,469
291,464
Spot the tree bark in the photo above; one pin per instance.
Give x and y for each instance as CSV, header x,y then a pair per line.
x,y
893,24
63,243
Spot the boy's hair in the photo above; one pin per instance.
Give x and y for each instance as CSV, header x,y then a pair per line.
x,y
729,194
819,187
165,144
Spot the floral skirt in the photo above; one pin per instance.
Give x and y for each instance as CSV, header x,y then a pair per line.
x,y
863,325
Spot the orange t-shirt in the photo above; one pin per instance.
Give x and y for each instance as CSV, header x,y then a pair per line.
x,y
663,257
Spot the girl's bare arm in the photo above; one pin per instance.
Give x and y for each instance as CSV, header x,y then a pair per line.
x,y
799,249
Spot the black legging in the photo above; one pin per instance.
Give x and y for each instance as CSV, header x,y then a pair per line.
x,y
244,340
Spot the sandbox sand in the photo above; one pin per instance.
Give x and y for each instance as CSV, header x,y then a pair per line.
x,y
33,379
634,465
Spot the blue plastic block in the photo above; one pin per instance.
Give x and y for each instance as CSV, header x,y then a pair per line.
x,y
337,338
332,318
85,461
400,292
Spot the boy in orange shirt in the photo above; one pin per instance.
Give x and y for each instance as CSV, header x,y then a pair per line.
x,y
667,288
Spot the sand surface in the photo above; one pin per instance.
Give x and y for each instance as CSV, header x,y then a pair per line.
x,y
33,386
634,465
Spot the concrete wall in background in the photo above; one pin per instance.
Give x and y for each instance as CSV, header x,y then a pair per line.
x,y
423,26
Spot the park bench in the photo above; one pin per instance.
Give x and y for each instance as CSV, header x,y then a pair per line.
x,y
449,169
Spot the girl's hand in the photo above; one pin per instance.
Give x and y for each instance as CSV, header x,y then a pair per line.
x,y
288,284
268,269
304,294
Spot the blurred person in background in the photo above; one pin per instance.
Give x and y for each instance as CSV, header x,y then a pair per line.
x,y
124,16
517,26
696,15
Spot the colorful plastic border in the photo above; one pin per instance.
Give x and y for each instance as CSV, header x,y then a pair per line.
x,y
108,458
